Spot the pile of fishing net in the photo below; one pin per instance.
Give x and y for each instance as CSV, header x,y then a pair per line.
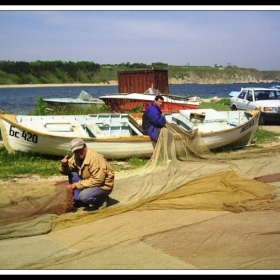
x,y
181,174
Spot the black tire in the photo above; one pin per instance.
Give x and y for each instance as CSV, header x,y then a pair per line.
x,y
262,120
233,108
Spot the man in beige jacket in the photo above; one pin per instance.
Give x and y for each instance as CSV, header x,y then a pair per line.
x,y
90,176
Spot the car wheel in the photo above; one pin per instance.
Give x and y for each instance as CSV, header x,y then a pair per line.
x,y
233,108
261,120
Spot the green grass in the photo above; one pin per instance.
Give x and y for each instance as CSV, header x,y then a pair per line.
x,y
220,105
264,136
26,164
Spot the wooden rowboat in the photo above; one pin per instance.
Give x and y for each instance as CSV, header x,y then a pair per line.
x,y
120,136
216,128
219,128
112,135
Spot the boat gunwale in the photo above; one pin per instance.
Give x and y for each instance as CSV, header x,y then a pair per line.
x,y
237,127
11,119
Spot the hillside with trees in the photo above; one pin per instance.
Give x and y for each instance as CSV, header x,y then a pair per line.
x,y
58,72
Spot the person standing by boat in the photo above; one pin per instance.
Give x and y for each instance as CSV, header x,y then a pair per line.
x,y
91,177
153,120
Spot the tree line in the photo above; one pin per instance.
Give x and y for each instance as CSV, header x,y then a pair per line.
x,y
37,67
21,72
52,72
21,67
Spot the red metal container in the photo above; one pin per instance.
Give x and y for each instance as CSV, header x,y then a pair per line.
x,y
138,81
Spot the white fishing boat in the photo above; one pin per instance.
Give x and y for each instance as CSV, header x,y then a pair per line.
x,y
216,128
128,102
120,136
112,135
219,128
83,100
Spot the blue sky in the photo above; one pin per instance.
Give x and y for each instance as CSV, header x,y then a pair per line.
x,y
245,36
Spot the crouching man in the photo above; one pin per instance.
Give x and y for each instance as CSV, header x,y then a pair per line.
x,y
91,177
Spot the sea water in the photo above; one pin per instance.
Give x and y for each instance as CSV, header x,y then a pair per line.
x,y
23,100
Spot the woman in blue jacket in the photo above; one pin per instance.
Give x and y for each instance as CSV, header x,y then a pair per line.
x,y
153,120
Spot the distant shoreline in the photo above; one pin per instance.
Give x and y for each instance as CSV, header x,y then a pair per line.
x,y
54,85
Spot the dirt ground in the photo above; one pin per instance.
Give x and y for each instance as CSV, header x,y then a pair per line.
x,y
273,128
183,231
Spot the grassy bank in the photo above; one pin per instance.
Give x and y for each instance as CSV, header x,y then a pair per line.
x,y
58,72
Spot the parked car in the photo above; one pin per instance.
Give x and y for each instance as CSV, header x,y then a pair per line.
x,y
267,100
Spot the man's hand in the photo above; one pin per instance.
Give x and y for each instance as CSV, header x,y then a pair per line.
x,y
72,187
64,161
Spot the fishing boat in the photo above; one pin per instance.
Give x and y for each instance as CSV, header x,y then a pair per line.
x,y
112,135
234,93
129,102
219,128
120,135
83,100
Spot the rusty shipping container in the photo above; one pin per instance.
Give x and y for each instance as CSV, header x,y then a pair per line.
x,y
138,81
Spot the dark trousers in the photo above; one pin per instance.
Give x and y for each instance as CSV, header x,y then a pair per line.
x,y
93,195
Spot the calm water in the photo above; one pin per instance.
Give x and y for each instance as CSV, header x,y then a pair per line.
x,y
23,100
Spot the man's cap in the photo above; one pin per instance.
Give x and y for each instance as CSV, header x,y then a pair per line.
x,y
77,144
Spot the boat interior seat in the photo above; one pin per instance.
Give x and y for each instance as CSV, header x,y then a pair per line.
x,y
136,129
95,130
136,121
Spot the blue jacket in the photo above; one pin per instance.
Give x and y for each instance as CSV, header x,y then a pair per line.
x,y
153,121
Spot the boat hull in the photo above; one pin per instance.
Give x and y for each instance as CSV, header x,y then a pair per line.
x,y
84,100
73,103
132,102
120,136
53,138
220,129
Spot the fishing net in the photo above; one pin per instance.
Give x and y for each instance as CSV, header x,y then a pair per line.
x,y
181,174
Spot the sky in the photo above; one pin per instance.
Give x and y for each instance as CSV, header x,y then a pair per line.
x,y
245,36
